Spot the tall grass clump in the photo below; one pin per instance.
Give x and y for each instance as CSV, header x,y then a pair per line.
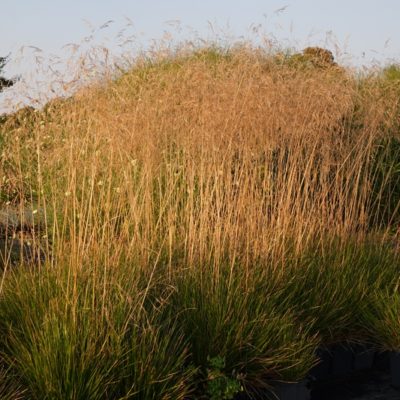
x,y
65,338
331,287
212,152
234,319
206,213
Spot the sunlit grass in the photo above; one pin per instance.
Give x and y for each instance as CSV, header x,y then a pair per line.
x,y
233,205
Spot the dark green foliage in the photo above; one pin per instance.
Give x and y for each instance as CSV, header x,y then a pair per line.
x,y
385,191
4,83
219,385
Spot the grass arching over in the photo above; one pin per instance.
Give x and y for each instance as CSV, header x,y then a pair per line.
x,y
234,318
215,211
330,287
90,344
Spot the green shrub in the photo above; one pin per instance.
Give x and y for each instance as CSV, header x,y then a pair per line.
x,y
219,385
311,58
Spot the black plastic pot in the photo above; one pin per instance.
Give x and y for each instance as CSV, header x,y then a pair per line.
x,y
395,368
323,369
382,361
292,391
342,361
363,357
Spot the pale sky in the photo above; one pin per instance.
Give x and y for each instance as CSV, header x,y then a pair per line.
x,y
361,32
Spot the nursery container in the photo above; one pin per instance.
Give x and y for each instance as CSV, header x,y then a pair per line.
x,y
395,368
293,391
323,369
363,357
382,361
342,361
